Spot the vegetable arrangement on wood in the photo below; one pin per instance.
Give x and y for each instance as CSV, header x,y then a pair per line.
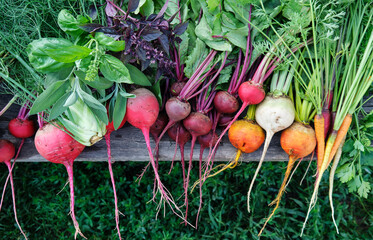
x,y
186,68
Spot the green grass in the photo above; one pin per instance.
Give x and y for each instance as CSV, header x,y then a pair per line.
x,y
43,212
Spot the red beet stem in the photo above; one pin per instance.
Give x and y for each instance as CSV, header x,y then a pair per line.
x,y
69,169
8,164
107,138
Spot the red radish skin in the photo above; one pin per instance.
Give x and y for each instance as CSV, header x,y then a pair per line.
x,y
224,102
7,151
21,128
197,124
176,88
57,146
109,129
142,112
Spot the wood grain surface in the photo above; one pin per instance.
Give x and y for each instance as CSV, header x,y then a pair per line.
x,y
128,145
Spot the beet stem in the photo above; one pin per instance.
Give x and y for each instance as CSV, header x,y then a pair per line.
x,y
107,138
69,169
8,164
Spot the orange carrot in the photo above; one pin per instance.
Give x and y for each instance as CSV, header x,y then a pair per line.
x,y
342,132
320,137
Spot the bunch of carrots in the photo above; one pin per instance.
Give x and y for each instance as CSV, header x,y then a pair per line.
x,y
318,61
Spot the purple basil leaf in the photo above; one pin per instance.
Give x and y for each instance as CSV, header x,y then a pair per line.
x,y
145,64
164,24
90,27
181,28
110,10
109,32
151,17
163,39
151,34
141,53
132,5
158,74
92,12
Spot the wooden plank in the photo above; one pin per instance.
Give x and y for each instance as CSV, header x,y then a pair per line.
x,y
128,145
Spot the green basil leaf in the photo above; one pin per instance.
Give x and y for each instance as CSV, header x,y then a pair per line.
x,y
40,60
57,76
114,70
137,76
119,110
68,54
99,83
69,24
58,108
50,96
109,42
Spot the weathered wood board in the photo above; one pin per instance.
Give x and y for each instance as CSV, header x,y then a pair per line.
x,y
128,145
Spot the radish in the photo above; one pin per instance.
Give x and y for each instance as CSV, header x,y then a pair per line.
x,y
109,129
7,151
142,112
57,146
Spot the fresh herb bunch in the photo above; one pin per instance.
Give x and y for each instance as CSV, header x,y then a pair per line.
x,y
148,39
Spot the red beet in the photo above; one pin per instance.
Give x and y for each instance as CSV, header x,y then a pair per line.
x,y
197,124
176,88
224,102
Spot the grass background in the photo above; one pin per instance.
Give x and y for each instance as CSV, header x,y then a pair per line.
x,y
43,211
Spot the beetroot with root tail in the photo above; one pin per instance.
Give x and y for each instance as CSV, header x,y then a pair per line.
x,y
197,124
176,88
57,146
142,112
7,152
224,102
